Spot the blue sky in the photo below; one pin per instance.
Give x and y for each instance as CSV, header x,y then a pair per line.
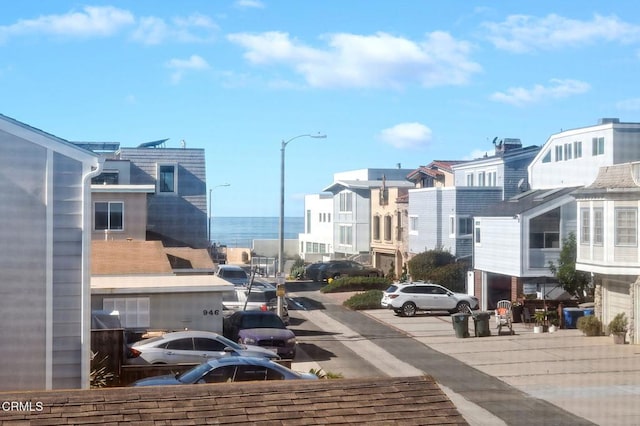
x,y
388,82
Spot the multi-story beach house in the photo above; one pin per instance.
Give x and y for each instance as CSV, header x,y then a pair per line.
x,y
316,242
515,240
45,204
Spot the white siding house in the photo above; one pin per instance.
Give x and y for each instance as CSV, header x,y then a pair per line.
x,y
352,206
607,242
44,271
316,243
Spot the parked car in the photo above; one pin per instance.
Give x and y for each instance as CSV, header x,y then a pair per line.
x,y
230,369
258,299
190,347
262,328
234,274
407,299
346,268
311,271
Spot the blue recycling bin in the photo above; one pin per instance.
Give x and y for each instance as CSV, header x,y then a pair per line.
x,y
571,316
588,311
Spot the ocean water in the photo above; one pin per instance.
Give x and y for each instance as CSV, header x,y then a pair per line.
x,y
241,231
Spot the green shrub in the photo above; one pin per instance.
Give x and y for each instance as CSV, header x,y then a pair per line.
x,y
618,324
356,284
439,266
368,300
590,325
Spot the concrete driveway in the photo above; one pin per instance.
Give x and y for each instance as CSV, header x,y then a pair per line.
x,y
588,376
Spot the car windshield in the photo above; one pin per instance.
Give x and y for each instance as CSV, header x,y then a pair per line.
x,y
190,376
262,321
229,273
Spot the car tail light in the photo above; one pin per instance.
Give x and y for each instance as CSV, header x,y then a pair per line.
x,y
393,296
133,353
264,308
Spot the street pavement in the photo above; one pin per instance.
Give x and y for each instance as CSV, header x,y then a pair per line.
x,y
526,378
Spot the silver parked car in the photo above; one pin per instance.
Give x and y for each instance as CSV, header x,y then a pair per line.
x,y
407,299
190,347
230,369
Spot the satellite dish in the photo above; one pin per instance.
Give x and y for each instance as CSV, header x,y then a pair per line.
x,y
523,185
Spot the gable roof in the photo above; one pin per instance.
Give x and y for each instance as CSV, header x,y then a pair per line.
x,y
434,168
413,400
524,202
128,257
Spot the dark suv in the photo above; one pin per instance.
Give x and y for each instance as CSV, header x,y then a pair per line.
x,y
346,268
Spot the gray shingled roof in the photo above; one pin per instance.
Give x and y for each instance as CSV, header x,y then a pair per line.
x,y
524,202
406,400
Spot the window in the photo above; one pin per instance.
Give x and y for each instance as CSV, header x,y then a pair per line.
x,y
345,235
598,226
626,227
167,178
452,226
328,217
477,232
491,179
346,202
547,157
558,152
105,178
577,149
211,345
465,226
108,216
470,179
568,151
180,344
376,228
597,146
308,221
585,227
481,179
134,311
413,223
387,228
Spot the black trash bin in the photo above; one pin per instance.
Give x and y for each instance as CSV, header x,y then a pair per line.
x,y
461,324
481,324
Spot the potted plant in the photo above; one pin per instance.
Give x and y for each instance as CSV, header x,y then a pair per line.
x,y
552,317
618,328
590,325
540,318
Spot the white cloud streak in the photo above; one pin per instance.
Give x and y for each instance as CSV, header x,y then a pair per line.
x,y
90,22
249,4
525,33
196,28
364,61
180,66
407,136
520,96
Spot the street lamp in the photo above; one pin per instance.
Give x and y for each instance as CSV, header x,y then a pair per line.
x,y
211,212
281,234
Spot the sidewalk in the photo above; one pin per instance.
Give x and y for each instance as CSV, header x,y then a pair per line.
x,y
587,376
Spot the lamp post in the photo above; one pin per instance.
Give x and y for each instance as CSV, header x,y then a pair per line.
x,y
211,212
281,233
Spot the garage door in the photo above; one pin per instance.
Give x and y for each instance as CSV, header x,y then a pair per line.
x,y
615,299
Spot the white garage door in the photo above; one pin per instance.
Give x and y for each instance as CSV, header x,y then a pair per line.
x,y
615,298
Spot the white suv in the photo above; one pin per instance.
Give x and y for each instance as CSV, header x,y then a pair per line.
x,y
408,298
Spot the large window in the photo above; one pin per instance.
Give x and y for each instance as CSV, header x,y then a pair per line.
x,y
460,226
491,179
597,146
481,179
346,235
413,224
558,152
470,179
346,201
598,226
585,227
626,226
108,215
387,228
376,228
567,151
577,149
167,178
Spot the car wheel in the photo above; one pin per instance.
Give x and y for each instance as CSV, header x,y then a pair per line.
x,y
463,307
408,309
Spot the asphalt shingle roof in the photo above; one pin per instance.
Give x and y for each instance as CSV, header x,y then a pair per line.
x,y
405,400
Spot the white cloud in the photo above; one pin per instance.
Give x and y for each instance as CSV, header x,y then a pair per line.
x,y
525,33
558,89
92,21
255,4
406,135
190,29
379,60
180,66
629,104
